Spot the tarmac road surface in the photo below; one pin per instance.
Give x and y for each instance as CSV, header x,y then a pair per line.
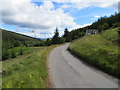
x,y
67,71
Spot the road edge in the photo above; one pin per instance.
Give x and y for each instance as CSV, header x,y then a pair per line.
x,y
50,80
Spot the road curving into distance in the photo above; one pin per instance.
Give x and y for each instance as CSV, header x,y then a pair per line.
x,y
67,71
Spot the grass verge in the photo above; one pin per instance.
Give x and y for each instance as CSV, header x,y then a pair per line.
x,y
28,71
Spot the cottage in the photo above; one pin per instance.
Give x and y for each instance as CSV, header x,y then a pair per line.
x,y
91,31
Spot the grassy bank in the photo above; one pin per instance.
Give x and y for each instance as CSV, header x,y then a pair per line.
x,y
17,51
27,71
99,50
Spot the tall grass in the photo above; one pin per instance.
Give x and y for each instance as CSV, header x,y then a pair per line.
x,y
31,72
100,50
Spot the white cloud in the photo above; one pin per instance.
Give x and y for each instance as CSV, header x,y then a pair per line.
x,y
25,14
97,16
80,4
80,26
96,3
39,33
66,6
75,0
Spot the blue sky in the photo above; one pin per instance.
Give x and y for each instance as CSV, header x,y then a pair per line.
x,y
89,14
85,15
25,16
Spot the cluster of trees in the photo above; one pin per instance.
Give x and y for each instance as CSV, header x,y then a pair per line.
x,y
10,45
105,23
11,53
55,40
16,43
67,37
101,24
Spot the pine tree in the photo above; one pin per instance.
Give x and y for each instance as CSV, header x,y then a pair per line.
x,y
66,35
56,38
66,32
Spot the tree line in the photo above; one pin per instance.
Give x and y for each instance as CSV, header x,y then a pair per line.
x,y
105,23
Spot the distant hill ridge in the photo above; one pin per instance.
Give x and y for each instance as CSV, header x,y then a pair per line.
x,y
13,34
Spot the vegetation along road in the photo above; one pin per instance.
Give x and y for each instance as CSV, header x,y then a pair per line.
x,y
28,70
66,71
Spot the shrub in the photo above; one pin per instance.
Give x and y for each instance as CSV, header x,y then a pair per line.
x,y
5,54
13,55
21,51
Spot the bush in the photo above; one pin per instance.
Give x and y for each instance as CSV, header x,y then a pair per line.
x,y
21,51
111,35
13,55
5,54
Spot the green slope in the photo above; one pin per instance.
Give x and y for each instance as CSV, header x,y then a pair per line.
x,y
12,39
103,23
8,34
100,50
0,45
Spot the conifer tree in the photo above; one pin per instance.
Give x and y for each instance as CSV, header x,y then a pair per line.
x,y
66,35
56,38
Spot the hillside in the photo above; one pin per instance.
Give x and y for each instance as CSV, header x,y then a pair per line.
x,y
14,35
101,24
100,50
12,39
23,64
13,44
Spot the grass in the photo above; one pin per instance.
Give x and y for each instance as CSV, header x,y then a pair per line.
x,y
27,51
27,71
0,45
100,50
18,51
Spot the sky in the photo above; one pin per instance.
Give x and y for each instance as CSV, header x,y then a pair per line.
x,y
43,16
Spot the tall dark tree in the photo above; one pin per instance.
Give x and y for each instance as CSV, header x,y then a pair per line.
x,y
56,38
66,32
56,33
67,35
48,42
